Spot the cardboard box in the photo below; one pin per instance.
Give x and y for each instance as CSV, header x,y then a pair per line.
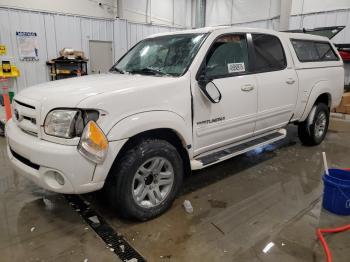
x,y
346,99
344,102
347,109
340,109
72,54
81,54
66,52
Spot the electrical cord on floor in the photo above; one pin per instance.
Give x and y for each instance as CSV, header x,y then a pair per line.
x,y
319,232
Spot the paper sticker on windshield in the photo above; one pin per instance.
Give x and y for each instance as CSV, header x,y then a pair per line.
x,y
236,67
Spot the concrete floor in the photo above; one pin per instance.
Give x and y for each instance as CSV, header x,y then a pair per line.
x,y
271,195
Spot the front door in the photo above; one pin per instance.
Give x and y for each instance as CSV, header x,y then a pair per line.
x,y
233,118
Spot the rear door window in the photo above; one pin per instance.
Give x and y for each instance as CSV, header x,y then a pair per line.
x,y
313,51
269,53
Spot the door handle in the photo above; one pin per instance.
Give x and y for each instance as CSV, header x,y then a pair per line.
x,y
290,81
247,88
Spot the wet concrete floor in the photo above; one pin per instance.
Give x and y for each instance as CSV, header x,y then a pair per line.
x,y
262,206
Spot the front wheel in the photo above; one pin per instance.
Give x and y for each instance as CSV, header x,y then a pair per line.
x,y
313,131
144,183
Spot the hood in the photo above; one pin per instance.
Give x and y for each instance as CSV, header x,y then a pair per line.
x,y
70,92
116,95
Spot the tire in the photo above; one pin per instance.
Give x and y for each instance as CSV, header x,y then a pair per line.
x,y
137,172
313,132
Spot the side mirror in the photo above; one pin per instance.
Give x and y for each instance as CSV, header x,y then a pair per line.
x,y
209,89
212,92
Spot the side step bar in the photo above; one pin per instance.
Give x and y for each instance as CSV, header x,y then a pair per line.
x,y
203,161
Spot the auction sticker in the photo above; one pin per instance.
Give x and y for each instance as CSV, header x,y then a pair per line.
x,y
236,67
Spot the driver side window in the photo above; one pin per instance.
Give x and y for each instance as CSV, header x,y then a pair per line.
x,y
227,56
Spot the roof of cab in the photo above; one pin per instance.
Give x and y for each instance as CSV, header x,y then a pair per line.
x,y
225,29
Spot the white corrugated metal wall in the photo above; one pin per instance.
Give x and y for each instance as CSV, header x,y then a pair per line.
x,y
58,31
269,24
136,32
225,12
163,12
127,34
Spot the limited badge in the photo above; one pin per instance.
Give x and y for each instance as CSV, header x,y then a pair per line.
x,y
236,67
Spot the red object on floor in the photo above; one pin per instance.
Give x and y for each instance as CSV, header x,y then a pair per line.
x,y
319,232
7,102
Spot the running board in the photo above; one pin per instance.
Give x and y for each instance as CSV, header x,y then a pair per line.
x,y
219,156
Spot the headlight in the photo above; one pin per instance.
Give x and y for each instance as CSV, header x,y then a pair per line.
x,y
68,123
93,143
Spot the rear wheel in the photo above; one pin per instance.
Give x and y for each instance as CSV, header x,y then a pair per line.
x,y
313,131
145,181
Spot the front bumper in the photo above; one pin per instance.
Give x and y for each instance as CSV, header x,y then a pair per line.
x,y
38,159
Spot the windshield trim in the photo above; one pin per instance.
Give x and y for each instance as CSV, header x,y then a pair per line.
x,y
205,36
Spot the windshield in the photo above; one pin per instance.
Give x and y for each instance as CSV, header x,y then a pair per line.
x,y
164,55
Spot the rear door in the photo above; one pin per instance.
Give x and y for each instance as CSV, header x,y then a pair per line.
x,y
277,83
228,66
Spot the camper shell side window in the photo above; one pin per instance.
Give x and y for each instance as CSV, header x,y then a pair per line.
x,y
313,51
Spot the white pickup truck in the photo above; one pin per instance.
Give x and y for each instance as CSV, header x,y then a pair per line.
x,y
175,102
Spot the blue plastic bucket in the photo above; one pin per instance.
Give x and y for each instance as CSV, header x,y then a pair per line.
x,y
336,196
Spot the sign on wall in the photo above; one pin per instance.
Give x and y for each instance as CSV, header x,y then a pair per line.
x,y
3,50
27,46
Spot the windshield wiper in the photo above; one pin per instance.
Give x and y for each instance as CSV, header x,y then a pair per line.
x,y
147,70
117,70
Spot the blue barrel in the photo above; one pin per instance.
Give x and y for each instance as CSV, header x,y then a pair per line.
x,y
336,196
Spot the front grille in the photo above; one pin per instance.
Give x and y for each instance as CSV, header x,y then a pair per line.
x,y
25,116
29,132
24,160
31,119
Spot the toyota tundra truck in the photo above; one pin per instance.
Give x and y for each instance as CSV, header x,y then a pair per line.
x,y
175,102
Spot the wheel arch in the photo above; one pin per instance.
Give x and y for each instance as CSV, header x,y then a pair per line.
x,y
166,134
320,93
164,125
138,123
325,98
